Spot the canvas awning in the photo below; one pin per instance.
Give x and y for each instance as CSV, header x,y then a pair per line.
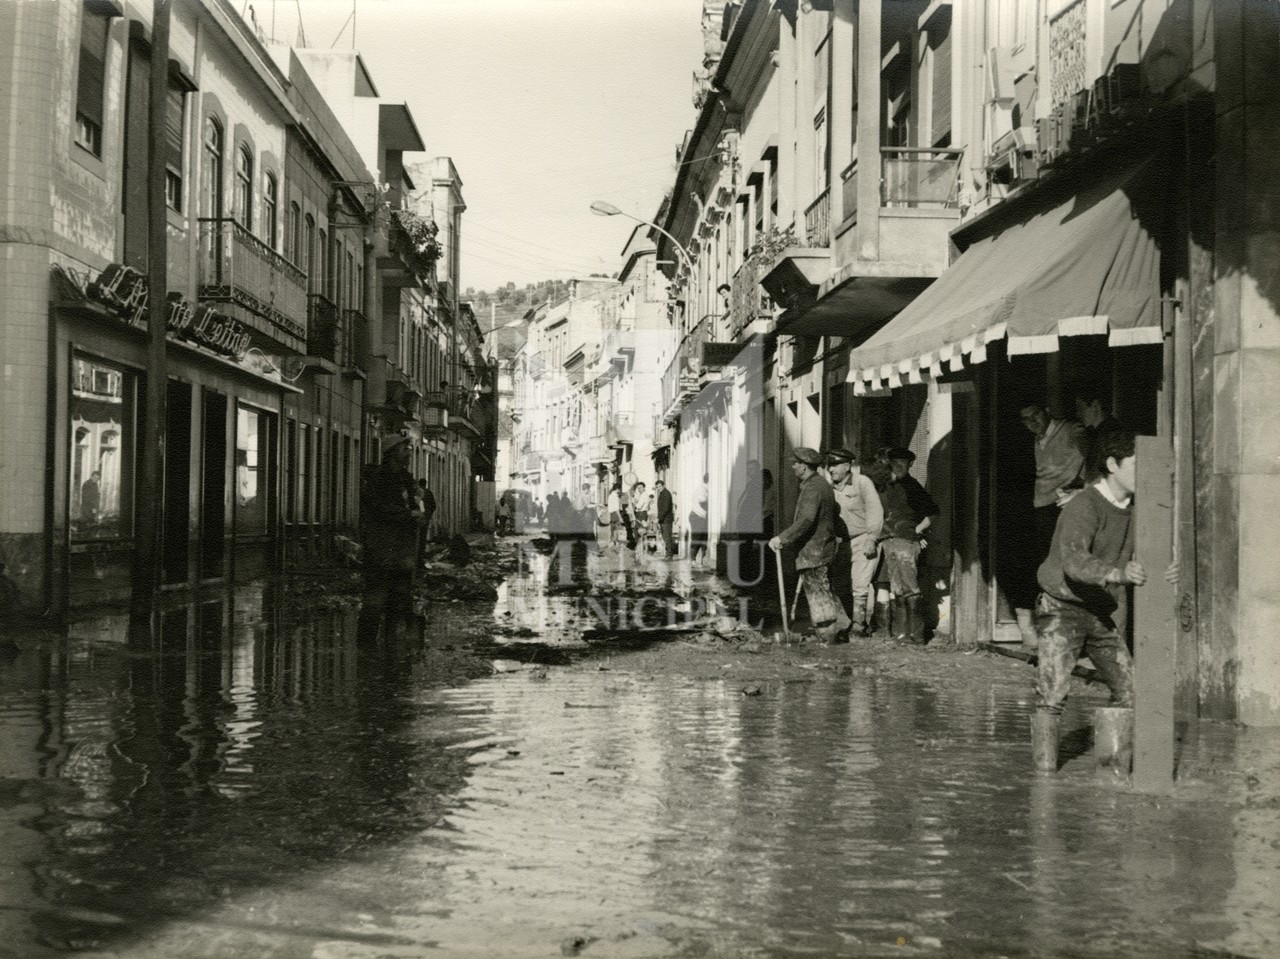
x,y
1085,262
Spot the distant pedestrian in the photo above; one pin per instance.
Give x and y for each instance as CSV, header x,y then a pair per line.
x,y
814,531
698,522
427,504
666,517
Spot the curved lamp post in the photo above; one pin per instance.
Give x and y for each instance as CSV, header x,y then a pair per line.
x,y
601,208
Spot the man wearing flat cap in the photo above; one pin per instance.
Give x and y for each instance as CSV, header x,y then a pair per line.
x,y
390,512
862,515
908,512
814,531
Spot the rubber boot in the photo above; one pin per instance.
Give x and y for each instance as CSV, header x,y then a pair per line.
x,y
859,625
899,626
880,619
915,619
1044,740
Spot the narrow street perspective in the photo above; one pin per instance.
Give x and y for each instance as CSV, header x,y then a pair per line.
x,y
848,533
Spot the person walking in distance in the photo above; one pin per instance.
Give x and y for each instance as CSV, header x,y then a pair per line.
x,y
698,527
862,515
666,517
814,530
1081,608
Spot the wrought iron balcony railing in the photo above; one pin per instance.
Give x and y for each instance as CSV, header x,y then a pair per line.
x,y
237,267
817,221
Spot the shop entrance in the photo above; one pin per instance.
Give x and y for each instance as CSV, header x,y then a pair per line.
x,y
213,485
177,484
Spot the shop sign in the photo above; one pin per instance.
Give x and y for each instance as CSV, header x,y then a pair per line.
x,y
124,290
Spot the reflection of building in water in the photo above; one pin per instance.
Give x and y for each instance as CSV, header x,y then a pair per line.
x,y
97,413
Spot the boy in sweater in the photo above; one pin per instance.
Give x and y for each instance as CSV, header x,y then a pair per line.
x,y
1083,582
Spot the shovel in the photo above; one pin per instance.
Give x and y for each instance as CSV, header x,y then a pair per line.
x,y
782,594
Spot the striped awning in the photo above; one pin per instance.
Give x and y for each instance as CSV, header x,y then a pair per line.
x,y
1086,262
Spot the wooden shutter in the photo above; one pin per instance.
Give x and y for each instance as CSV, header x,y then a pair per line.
x,y
173,127
93,52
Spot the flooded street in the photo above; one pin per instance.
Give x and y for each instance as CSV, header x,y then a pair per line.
x,y
259,784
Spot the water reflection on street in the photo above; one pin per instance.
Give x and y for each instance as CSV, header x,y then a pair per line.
x,y
245,784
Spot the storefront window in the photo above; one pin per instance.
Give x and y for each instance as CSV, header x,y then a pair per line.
x,y
101,414
251,487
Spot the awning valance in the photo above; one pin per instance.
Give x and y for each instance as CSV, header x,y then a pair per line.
x,y
1086,263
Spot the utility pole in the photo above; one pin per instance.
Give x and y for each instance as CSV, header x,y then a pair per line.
x,y
150,488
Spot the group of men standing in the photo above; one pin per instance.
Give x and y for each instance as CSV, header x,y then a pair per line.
x,y
859,525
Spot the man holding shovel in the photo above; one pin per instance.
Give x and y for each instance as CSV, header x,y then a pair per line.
x,y
814,530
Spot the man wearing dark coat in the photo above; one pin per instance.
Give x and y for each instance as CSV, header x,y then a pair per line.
x,y
390,514
814,531
666,516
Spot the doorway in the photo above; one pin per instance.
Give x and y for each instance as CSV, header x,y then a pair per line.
x,y
177,484
213,486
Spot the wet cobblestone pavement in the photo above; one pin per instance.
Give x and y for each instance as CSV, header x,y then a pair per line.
x,y
258,784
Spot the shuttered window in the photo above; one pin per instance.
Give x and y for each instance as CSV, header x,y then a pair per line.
x,y
174,166
89,94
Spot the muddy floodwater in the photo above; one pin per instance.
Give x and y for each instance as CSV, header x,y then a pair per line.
x,y
253,784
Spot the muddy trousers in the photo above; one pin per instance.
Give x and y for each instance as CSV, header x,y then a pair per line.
x,y
1067,631
825,611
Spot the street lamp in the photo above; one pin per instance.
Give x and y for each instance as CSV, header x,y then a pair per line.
x,y
601,208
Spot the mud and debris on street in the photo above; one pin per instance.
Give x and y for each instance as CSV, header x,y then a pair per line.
x,y
681,478
529,778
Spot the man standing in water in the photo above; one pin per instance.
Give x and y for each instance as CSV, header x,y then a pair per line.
x,y
391,513
1081,609
814,526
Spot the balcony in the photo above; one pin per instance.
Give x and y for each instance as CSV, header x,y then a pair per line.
x,y
849,194
748,303
357,348
920,178
599,451
322,328
620,431
881,258
817,221
263,289
468,414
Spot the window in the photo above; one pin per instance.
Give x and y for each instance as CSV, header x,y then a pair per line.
x,y
270,203
821,140
174,167
93,68
321,285
102,439
352,302
251,480
309,252
211,172
244,188
291,470
293,236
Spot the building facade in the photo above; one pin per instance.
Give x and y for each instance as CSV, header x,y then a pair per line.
x,y
275,222
927,214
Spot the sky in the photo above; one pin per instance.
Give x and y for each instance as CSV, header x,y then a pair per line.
x,y
544,106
